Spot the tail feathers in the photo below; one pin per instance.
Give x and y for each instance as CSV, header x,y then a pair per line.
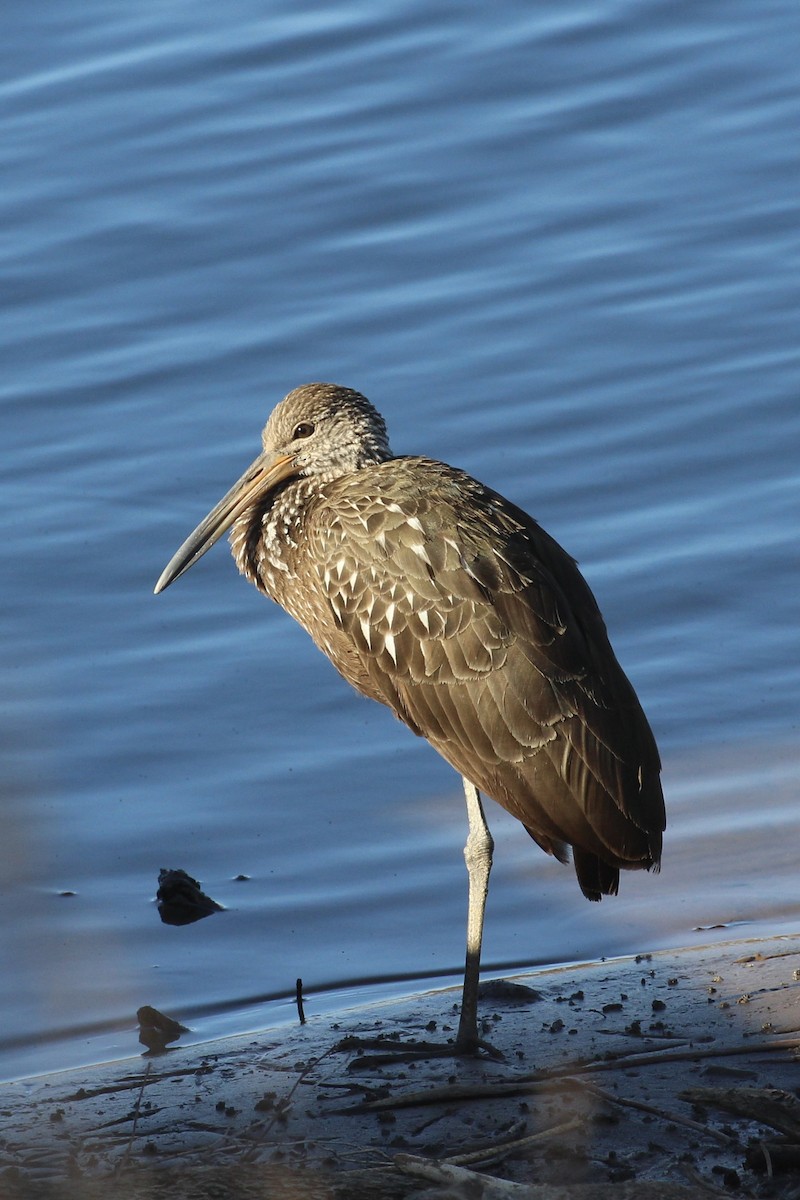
x,y
596,878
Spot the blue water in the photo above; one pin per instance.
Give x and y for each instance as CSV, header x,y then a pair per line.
x,y
557,245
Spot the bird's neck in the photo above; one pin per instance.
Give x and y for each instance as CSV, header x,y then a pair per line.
x,y
265,539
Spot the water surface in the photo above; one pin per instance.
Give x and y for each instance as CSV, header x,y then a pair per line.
x,y
557,246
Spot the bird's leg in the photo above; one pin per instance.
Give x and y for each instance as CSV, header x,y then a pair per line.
x,y
478,856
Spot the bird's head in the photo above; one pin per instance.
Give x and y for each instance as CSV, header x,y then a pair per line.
x,y
319,430
326,431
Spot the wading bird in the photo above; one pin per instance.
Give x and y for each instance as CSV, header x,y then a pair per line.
x,y
441,599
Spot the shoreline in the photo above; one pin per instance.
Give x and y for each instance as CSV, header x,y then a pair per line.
x,y
621,1074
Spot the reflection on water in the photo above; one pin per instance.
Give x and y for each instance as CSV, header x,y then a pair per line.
x,y
557,250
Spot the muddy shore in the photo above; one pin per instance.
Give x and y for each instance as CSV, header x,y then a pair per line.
x,y
656,1076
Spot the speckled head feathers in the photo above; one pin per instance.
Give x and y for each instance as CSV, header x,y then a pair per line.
x,y
328,430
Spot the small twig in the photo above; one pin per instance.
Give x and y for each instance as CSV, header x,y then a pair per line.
x,y
658,1057
668,1042
282,1107
136,1111
299,996
474,1183
502,1149
697,1179
442,1172
765,1106
445,1095
651,1110
127,1085
523,1084
397,1051
759,957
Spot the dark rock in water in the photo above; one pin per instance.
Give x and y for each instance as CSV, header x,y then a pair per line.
x,y
180,900
156,1029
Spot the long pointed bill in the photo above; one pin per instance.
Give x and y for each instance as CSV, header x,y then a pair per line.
x,y
264,474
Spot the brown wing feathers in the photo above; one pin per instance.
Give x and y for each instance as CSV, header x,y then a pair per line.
x,y
455,609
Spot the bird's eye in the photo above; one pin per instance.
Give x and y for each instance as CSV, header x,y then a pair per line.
x,y
303,430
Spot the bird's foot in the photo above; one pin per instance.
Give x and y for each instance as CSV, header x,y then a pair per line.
x,y
391,1050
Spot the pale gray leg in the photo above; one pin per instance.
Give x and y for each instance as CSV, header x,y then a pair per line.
x,y
478,855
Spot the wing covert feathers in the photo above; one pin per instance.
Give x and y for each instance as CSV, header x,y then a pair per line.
x,y
441,599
